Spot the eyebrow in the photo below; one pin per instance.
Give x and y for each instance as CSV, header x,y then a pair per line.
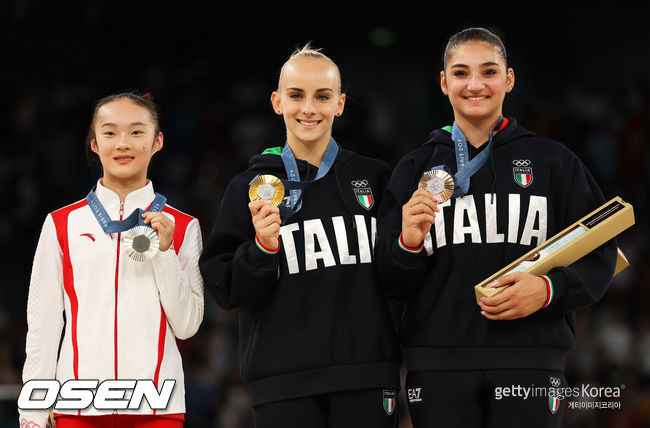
x,y
317,90
131,124
485,64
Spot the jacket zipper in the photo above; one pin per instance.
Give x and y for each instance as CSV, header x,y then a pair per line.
x,y
117,269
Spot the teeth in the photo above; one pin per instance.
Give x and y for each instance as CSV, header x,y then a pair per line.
x,y
475,98
304,122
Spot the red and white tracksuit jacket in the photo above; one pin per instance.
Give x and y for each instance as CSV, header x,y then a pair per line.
x,y
122,316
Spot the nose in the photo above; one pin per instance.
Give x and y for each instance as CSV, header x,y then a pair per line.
x,y
475,83
123,142
308,108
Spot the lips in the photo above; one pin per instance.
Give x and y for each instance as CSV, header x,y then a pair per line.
x,y
123,159
477,98
309,124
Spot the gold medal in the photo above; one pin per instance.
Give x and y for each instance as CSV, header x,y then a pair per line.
x,y
438,182
141,243
267,188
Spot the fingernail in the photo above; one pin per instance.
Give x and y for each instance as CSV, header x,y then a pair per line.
x,y
493,283
483,313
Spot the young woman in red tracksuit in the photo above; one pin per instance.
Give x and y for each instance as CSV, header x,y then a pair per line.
x,y
125,303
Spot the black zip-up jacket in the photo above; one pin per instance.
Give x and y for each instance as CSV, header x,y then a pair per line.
x,y
530,189
312,318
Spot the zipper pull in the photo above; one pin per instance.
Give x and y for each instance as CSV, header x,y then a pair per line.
x,y
121,209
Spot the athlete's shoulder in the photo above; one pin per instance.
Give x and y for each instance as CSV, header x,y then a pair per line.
x,y
63,211
177,214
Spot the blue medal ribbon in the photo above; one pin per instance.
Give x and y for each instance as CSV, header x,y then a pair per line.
x,y
134,219
466,168
293,183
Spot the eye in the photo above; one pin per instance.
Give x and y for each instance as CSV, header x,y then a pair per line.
x,y
137,132
323,97
295,95
460,73
491,72
108,133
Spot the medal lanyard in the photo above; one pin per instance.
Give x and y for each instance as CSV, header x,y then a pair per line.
x,y
293,182
134,219
464,167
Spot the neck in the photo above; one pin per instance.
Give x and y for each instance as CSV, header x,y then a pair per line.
x,y
123,187
311,152
477,132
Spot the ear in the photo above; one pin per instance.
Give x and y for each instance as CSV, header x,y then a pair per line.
x,y
157,143
443,83
510,79
275,102
341,105
93,145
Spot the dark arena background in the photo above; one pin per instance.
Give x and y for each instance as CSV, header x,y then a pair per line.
x,y
582,77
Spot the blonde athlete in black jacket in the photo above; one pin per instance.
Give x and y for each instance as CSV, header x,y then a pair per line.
x,y
317,346
462,357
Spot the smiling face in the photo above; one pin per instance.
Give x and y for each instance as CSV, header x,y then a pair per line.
x,y
308,97
125,139
476,81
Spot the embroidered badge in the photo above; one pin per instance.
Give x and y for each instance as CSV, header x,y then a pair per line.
x,y
522,172
389,401
553,400
363,193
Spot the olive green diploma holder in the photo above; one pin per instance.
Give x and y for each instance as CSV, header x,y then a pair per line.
x,y
573,243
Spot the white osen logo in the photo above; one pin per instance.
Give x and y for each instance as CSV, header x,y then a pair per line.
x,y
108,395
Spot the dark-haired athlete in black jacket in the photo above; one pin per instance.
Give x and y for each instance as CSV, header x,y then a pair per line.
x,y
478,366
317,344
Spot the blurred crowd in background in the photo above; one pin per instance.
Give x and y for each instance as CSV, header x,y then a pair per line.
x,y
212,69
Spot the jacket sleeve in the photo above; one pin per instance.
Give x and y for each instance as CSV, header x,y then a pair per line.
x,y
44,317
236,272
180,284
401,273
585,281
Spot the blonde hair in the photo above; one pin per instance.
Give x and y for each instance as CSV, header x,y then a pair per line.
x,y
309,52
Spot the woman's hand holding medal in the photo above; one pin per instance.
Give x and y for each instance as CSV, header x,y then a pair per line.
x,y
266,220
163,226
417,217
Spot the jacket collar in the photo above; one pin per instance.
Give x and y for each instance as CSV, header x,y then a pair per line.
x,y
139,198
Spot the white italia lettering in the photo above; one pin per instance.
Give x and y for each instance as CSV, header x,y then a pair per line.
x,y
466,205
286,233
491,234
439,225
315,233
362,236
317,244
342,241
373,233
536,211
428,244
513,217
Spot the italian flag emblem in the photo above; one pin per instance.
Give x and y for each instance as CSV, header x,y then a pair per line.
x,y
523,176
390,401
364,197
553,404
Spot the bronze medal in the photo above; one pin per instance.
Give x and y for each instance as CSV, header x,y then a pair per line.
x,y
438,182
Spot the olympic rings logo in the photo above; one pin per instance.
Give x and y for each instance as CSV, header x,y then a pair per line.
x,y
521,162
359,183
555,382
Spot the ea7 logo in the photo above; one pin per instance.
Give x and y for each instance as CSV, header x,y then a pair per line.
x,y
414,394
79,394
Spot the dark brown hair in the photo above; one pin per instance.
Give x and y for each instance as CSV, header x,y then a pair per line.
x,y
475,34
